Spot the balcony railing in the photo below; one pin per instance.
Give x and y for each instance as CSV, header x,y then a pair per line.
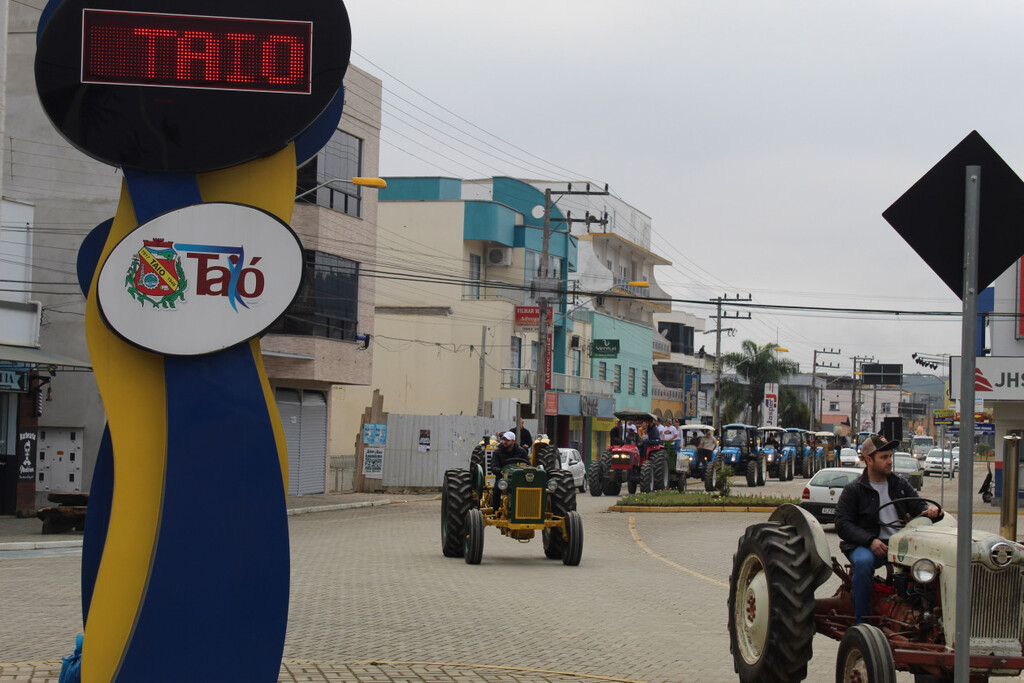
x,y
518,378
662,346
623,284
666,394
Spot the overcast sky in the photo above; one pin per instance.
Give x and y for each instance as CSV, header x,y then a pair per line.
x,y
765,139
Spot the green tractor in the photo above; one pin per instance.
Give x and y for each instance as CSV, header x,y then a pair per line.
x,y
536,495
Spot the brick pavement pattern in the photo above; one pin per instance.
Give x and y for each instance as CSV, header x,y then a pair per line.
x,y
373,599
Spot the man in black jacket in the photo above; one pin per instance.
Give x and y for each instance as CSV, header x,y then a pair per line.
x,y
864,532
508,451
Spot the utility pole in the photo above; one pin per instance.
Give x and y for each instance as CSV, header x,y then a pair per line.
x,y
854,409
814,377
719,316
483,367
546,288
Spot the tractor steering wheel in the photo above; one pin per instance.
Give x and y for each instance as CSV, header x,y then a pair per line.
x,y
899,524
518,460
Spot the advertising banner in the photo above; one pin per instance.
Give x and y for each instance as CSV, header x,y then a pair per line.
x,y
528,317
373,462
996,378
691,387
604,348
770,415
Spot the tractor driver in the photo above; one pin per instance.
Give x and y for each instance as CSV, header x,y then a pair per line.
x,y
864,533
508,451
651,438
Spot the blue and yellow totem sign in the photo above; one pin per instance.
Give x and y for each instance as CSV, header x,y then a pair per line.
x,y
207,106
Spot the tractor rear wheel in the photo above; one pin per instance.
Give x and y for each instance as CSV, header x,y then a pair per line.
x,y
711,476
646,477
573,549
478,457
761,467
547,455
771,605
456,500
562,501
596,476
474,545
660,471
806,469
865,655
752,473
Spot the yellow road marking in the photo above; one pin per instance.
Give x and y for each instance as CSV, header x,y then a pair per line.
x,y
674,565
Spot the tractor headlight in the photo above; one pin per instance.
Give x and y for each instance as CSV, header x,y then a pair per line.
x,y
552,485
502,485
924,571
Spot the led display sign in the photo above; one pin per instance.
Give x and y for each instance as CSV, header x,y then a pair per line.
x,y
189,85
136,48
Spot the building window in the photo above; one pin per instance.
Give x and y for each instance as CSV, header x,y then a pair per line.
x,y
475,270
602,370
833,405
886,408
577,362
617,379
515,362
632,381
328,303
643,383
332,167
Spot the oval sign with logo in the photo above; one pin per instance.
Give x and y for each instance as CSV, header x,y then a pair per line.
x,y
200,279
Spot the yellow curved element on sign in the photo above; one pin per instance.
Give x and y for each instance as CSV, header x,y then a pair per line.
x,y
138,430
268,184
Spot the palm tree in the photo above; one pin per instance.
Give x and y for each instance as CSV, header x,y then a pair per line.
x,y
759,365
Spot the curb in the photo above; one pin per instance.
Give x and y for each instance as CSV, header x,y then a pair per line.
x,y
43,545
695,508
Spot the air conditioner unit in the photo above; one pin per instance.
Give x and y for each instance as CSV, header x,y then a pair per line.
x,y
499,256
575,341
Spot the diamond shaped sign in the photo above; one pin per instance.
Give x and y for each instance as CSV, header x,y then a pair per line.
x,y
930,215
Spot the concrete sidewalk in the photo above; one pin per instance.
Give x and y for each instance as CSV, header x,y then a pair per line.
x,y
26,533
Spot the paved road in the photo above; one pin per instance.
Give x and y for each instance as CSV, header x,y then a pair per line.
x,y
647,603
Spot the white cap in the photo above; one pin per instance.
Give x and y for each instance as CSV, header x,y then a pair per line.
x,y
509,435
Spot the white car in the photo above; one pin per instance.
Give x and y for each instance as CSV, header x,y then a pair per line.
x,y
848,458
822,492
573,461
941,462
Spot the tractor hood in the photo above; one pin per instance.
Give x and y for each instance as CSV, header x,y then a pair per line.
x,y
937,542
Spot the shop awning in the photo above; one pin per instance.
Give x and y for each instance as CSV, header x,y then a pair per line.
x,y
39,358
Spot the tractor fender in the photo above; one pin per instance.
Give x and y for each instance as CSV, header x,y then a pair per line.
x,y
814,538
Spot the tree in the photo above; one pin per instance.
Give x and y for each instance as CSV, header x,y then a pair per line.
x,y
759,365
793,411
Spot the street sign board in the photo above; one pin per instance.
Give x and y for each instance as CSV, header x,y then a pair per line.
x,y
878,373
980,429
996,378
943,416
930,215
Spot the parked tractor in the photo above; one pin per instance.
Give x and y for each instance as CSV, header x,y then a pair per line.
x,y
533,495
739,450
657,469
777,461
773,613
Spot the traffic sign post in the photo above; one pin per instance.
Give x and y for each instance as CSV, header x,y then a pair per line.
x,y
207,106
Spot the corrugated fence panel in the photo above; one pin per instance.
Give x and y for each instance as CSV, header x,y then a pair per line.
x,y
451,441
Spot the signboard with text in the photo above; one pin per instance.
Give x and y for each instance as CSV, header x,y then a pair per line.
x,y
604,348
770,418
996,378
691,387
373,462
528,317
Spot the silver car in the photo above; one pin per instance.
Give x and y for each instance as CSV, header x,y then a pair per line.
x,y
573,461
941,462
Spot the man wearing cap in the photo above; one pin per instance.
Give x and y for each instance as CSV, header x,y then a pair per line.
x,y
507,452
864,533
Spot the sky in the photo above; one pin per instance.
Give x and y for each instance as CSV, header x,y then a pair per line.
x,y
764,139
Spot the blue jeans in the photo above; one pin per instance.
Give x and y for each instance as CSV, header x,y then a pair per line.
x,y
864,563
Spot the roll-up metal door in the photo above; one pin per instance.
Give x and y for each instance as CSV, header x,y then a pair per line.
x,y
290,406
313,459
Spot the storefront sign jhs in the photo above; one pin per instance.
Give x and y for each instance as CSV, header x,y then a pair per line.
x,y
27,457
604,348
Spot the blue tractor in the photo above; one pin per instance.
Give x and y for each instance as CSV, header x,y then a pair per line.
x,y
778,462
739,450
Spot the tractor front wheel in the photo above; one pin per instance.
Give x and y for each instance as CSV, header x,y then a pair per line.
x,y
865,655
562,501
761,466
771,605
595,477
573,548
474,545
711,476
752,473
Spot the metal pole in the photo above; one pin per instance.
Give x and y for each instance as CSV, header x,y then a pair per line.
x,y
1008,505
542,325
483,367
718,364
968,344
814,374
